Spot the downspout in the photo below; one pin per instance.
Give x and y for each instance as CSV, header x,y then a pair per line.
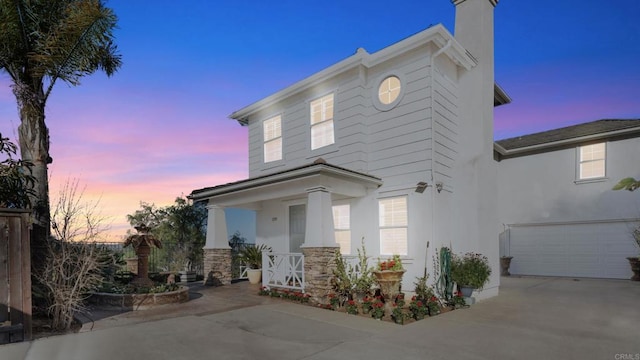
x,y
433,142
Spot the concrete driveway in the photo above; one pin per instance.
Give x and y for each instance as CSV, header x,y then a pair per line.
x,y
532,318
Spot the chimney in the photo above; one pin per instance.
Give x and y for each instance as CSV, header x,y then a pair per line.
x,y
475,172
474,31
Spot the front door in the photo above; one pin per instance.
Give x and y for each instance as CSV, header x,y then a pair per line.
x,y
297,227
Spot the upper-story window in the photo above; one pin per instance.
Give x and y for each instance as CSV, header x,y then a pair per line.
x,y
389,90
272,129
322,122
393,225
342,227
591,163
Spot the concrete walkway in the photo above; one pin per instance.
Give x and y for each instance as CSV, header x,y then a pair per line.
x,y
532,318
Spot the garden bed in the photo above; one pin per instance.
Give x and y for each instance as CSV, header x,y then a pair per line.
x,y
356,308
128,302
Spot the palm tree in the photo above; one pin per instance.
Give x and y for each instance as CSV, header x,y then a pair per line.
x,y
41,42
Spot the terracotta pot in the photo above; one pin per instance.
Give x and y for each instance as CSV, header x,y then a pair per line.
x,y
635,267
389,275
389,281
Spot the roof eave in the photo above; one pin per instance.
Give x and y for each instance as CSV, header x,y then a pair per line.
x,y
316,169
566,142
500,97
437,34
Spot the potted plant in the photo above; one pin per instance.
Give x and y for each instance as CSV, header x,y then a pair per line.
x,y
367,303
352,307
397,313
377,309
142,243
470,271
362,279
635,261
505,263
632,184
389,277
418,308
251,256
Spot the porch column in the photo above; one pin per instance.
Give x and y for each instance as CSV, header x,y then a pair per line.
x,y
217,252
319,246
319,229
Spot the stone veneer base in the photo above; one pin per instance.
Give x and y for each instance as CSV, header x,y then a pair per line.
x,y
319,263
218,263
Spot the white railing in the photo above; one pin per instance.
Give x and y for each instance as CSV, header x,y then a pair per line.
x,y
243,272
284,270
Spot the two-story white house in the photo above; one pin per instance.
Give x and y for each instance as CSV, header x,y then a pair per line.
x,y
555,200
392,149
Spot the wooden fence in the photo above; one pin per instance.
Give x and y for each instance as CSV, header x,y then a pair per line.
x,y
15,276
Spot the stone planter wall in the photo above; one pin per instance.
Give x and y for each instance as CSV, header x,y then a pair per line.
x,y
138,301
319,263
218,263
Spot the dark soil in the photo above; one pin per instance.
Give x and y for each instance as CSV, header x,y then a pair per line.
x,y
41,327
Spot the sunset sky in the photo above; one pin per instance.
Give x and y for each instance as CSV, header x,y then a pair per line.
x,y
159,128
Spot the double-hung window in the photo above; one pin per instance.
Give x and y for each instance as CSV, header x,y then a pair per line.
x,y
342,227
393,225
322,122
591,163
272,129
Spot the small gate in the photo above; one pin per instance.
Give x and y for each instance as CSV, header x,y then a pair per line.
x,y
284,270
15,276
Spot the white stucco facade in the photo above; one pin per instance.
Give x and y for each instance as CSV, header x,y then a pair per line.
x,y
557,224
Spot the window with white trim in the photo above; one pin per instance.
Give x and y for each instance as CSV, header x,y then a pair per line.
x,y
342,227
591,161
272,129
322,122
393,225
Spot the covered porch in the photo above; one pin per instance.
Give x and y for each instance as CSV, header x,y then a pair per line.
x,y
294,217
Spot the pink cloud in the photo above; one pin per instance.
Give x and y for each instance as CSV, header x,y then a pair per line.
x,y
553,96
117,200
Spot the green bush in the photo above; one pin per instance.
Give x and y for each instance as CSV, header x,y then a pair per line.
x,y
471,270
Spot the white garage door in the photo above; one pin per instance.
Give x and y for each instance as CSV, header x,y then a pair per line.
x,y
582,250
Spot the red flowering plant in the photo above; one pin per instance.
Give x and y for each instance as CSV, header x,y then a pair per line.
x,y
433,305
366,303
295,295
352,307
418,308
393,264
377,309
264,291
285,294
457,301
398,312
334,300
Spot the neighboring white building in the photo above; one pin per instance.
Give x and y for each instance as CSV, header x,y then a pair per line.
x,y
559,213
393,148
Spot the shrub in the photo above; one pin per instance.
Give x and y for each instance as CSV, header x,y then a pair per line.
x,y
472,270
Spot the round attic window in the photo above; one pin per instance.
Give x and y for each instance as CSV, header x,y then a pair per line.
x,y
389,90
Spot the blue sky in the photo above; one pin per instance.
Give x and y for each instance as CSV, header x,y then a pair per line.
x,y
159,127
